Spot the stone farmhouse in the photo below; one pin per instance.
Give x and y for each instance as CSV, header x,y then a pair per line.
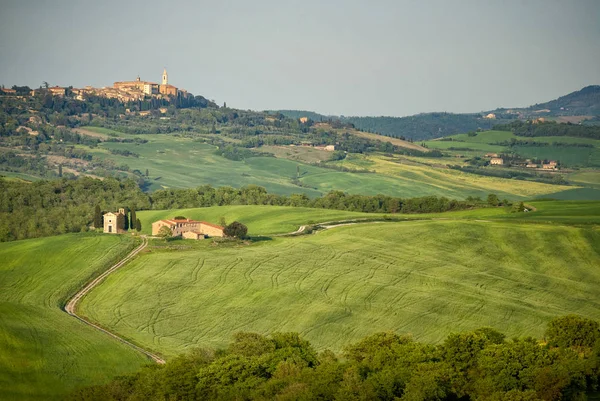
x,y
112,222
497,161
189,229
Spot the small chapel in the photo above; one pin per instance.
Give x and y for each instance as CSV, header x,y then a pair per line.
x,y
113,222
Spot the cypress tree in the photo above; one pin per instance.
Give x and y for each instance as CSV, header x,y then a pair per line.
x,y
97,217
126,220
132,218
138,225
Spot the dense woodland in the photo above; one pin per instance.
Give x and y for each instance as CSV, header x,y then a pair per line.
x,y
416,128
550,128
476,365
43,208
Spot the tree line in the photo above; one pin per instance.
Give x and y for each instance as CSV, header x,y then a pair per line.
x,y
475,365
550,128
207,195
43,208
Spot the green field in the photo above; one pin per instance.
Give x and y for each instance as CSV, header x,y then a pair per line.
x,y
178,162
456,271
269,220
483,142
260,220
45,353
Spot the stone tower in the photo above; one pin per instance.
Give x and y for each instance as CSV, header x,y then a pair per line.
x,y
165,78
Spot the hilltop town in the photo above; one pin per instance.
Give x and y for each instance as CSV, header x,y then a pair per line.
x,y
124,91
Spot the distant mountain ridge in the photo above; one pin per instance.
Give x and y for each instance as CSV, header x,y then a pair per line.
x,y
585,102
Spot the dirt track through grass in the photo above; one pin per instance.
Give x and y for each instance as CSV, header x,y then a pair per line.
x,y
426,278
44,353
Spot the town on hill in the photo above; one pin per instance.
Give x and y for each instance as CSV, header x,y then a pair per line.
x,y
124,91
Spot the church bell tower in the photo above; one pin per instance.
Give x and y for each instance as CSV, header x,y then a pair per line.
x,y
165,78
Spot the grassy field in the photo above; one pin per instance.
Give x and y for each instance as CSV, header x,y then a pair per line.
x,y
302,154
426,278
44,353
176,162
260,220
484,142
9,175
447,182
272,220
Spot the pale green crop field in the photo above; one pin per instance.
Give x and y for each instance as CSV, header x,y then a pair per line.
x,y
177,162
426,278
45,353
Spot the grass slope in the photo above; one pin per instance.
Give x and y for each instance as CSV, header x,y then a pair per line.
x,y
485,142
450,183
176,162
260,220
421,277
44,353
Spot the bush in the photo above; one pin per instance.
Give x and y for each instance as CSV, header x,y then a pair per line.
x,y
236,229
165,232
572,331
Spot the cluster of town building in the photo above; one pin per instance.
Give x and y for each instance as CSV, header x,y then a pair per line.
x,y
496,160
185,228
124,91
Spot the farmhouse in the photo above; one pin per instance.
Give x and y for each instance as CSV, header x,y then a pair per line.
x,y
491,155
113,222
551,165
190,229
497,161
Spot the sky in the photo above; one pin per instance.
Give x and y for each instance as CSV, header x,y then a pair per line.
x,y
352,57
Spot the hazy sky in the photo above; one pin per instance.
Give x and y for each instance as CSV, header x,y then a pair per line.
x,y
351,57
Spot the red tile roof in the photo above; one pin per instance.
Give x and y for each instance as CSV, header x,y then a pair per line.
x,y
212,225
173,221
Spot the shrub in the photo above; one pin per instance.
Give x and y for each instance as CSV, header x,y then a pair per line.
x,y
236,229
165,232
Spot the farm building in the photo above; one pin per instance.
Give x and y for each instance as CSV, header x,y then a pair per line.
x,y
186,228
112,222
491,155
497,161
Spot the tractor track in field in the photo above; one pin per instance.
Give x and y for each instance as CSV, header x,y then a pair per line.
x,y
71,305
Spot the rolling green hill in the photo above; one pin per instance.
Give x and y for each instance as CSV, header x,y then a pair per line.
x,y
567,150
426,278
260,220
44,353
175,162
458,271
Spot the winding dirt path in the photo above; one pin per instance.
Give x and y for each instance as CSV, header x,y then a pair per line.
x,y
71,305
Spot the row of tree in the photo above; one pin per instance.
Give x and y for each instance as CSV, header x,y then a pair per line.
x,y
476,365
43,208
550,128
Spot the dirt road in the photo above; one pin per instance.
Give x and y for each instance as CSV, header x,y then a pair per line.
x,y
71,305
